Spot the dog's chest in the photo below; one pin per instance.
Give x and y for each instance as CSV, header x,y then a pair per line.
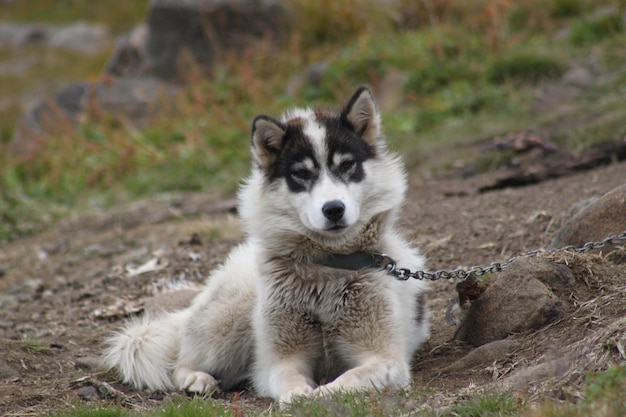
x,y
324,293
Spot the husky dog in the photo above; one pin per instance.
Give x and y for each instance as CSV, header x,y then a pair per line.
x,y
298,309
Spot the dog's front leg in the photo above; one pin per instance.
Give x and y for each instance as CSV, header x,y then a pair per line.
x,y
288,344
371,340
375,372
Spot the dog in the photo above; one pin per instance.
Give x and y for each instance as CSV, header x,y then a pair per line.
x,y
298,309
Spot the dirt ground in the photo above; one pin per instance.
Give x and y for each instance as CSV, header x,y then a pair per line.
x,y
64,290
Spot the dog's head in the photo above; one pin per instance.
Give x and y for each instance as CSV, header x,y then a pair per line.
x,y
325,173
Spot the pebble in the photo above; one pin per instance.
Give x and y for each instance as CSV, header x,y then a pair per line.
x,y
88,393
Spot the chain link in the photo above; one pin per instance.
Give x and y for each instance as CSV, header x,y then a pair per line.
x,y
403,274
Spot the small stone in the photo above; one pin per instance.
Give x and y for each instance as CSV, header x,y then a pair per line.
x,y
580,77
88,393
6,371
88,362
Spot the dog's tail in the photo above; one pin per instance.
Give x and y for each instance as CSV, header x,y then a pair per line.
x,y
144,352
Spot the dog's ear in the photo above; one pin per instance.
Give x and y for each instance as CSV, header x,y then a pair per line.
x,y
267,140
361,114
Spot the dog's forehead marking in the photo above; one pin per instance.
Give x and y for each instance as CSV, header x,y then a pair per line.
x,y
312,127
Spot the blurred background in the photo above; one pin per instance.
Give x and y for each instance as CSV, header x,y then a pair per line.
x,y
109,101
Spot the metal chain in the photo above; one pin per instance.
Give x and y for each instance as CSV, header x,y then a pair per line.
x,y
403,274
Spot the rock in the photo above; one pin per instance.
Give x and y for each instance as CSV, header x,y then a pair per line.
x,y
135,99
129,57
515,301
81,37
6,371
208,29
88,362
88,393
522,378
580,77
483,356
311,77
86,38
170,301
603,217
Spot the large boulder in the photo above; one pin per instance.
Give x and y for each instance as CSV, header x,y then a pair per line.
x,y
205,29
599,219
517,299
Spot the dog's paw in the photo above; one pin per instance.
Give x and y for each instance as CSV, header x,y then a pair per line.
x,y
199,382
325,390
288,397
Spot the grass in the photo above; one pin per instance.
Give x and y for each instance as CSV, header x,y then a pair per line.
x,y
35,346
603,398
468,73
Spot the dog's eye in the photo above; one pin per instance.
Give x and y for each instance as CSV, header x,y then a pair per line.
x,y
302,174
346,165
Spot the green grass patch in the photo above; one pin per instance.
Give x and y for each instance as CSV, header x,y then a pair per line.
x,y
182,408
488,405
603,397
35,346
524,68
592,30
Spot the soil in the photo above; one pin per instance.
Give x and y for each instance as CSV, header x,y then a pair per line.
x,y
62,291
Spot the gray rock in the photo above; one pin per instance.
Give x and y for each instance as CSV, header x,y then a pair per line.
x,y
483,356
16,35
88,393
522,378
88,362
6,371
130,55
515,301
580,77
86,38
208,29
605,216
80,37
135,99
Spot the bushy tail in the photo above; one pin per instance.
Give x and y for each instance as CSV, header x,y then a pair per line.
x,y
145,351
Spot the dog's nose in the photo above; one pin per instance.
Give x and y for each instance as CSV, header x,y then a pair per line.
x,y
333,210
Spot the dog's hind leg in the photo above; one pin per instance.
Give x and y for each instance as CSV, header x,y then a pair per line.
x,y
144,352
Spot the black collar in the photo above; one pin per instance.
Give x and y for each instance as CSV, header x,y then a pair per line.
x,y
353,261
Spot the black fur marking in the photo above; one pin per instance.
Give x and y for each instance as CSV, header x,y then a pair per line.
x,y
342,140
296,149
346,153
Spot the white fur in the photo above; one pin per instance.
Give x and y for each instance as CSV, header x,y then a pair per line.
x,y
270,316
